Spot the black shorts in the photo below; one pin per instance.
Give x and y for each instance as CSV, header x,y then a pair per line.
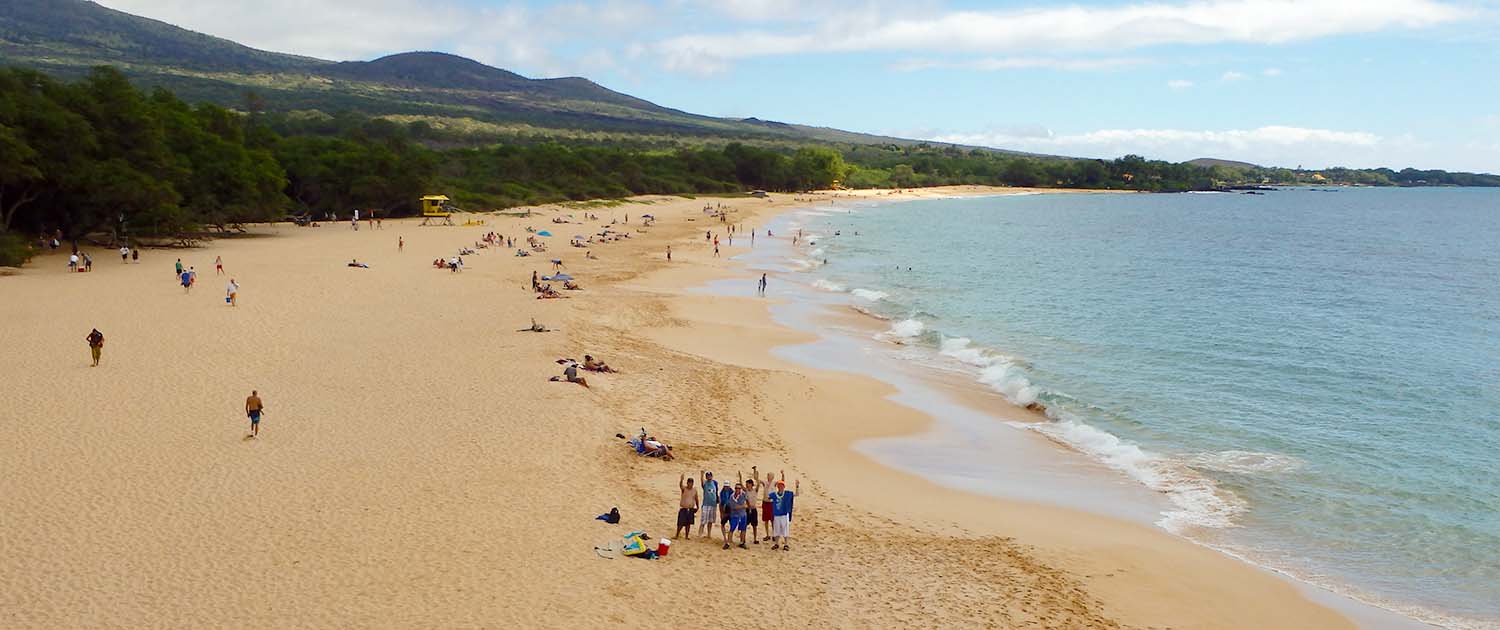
x,y
751,512
685,517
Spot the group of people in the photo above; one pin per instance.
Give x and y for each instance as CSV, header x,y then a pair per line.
x,y
750,504
188,278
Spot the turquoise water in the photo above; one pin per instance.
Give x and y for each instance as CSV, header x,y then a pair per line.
x,y
1312,377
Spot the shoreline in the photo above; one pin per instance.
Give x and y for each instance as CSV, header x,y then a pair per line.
x,y
910,422
416,460
959,387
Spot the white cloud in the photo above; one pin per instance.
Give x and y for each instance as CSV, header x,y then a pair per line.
x,y
992,64
1271,72
1270,145
1069,29
1232,76
1179,84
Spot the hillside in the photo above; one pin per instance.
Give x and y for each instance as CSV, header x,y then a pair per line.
x,y
67,37
1212,162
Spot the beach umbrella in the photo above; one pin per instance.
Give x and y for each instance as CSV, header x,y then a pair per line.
x,y
648,216
558,277
544,233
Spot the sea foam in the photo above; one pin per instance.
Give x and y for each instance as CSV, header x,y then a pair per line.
x,y
903,331
869,295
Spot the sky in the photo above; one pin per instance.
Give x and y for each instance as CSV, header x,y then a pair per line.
x,y
1313,83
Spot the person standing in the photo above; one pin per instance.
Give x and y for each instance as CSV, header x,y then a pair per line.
x,y
752,501
73,262
253,409
669,253
766,508
400,244
187,281
135,256
218,265
96,345
232,293
725,493
124,254
781,520
685,508
88,262
710,503
178,273
762,287
739,503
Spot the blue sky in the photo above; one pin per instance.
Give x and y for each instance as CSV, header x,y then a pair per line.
x,y
1281,82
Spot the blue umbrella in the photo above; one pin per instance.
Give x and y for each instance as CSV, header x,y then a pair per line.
x,y
560,277
544,233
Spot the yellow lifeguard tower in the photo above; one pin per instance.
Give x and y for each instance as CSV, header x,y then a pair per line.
x,y
435,208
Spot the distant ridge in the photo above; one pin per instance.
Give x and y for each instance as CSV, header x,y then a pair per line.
x,y
1211,162
68,37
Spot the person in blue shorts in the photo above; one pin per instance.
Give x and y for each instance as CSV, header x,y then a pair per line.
x,y
253,409
739,517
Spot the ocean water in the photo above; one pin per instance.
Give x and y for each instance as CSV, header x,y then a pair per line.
x,y
1312,379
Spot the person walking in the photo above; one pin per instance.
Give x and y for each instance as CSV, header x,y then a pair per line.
x,y
669,253
232,293
781,520
400,243
187,280
88,262
178,274
710,503
762,288
135,256
685,508
124,254
218,265
253,409
96,345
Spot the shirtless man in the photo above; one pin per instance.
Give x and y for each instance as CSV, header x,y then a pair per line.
x,y
253,409
686,507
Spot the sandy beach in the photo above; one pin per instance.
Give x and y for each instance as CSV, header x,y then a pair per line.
x,y
416,468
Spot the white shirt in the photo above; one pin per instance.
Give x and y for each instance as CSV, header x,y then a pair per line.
x,y
232,288
73,259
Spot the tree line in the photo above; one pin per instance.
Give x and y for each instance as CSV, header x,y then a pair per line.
x,y
99,158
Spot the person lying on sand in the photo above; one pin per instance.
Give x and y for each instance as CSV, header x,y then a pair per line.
x,y
570,285
535,327
570,375
549,293
593,365
356,263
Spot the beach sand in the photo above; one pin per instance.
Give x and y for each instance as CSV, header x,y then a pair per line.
x,y
416,468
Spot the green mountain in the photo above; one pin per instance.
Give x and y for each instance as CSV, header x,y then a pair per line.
x,y
67,37
1206,162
